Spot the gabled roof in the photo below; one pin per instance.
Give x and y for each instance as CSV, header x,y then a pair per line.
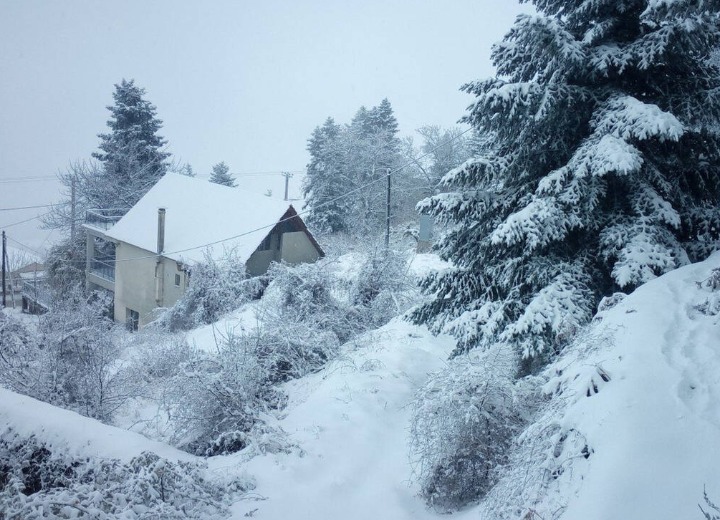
x,y
33,267
199,212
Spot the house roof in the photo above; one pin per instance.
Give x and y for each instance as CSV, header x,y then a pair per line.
x,y
32,267
199,212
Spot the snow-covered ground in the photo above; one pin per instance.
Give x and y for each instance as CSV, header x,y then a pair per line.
x,y
71,433
654,427
350,421
632,431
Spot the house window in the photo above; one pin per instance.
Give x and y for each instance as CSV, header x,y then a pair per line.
x,y
265,244
132,319
177,280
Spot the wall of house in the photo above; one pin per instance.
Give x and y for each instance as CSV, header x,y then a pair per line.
x,y
260,260
297,248
135,286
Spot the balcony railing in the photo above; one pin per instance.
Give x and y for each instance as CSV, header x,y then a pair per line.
x,y
37,291
103,269
103,218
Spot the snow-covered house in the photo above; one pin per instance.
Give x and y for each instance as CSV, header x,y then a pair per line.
x,y
146,257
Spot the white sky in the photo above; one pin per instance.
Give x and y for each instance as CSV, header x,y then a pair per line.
x,y
235,81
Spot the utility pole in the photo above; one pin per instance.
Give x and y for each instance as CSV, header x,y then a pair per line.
x,y
4,256
387,214
72,209
287,176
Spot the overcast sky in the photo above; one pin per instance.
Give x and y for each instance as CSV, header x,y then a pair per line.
x,y
235,81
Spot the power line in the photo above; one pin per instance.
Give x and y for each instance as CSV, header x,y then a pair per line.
x,y
26,246
12,180
33,207
40,178
26,220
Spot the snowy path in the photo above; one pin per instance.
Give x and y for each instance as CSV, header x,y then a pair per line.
x,y
351,420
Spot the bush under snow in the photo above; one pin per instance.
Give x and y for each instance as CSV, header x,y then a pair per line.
x,y
464,421
39,481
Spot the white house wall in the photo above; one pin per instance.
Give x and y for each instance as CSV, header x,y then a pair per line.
x,y
135,286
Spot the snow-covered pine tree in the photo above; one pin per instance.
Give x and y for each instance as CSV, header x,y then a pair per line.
x,y
351,160
372,146
132,154
221,175
326,179
604,172
131,160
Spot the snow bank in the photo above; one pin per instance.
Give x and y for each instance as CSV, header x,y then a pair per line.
x,y
75,435
633,428
655,427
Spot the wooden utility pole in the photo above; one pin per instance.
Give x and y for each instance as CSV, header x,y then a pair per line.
x,y
4,256
387,213
287,176
72,209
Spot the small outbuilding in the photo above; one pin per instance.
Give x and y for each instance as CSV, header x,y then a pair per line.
x,y
145,258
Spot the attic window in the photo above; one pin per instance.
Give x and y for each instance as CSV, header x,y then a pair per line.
x,y
177,280
265,244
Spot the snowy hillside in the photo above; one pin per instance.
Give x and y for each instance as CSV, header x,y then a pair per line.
x,y
650,432
633,428
74,434
629,428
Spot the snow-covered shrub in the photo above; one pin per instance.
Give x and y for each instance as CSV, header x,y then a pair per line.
x,y
71,361
39,481
551,453
303,321
463,422
216,287
216,399
19,353
711,305
80,352
383,288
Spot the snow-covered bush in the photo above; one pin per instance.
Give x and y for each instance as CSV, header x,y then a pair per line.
x,y
216,287
383,288
216,399
463,423
80,351
19,353
71,361
711,306
304,320
39,481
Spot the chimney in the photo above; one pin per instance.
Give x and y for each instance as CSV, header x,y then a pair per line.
x,y
161,231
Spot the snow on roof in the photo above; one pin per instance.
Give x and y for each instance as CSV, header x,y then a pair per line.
x,y
31,275
199,212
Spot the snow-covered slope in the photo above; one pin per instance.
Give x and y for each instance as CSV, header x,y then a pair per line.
x,y
633,430
75,435
642,444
